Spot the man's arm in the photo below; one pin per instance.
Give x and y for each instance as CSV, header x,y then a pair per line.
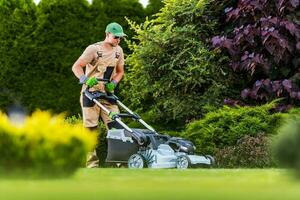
x,y
119,72
110,86
77,68
86,57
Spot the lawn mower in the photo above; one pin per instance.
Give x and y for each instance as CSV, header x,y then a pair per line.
x,y
144,148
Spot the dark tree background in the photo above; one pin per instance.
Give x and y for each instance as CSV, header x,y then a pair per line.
x,y
40,43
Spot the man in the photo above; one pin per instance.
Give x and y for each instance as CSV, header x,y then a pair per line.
x,y
102,60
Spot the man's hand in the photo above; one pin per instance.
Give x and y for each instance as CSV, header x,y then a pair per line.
x,y
110,86
90,82
112,115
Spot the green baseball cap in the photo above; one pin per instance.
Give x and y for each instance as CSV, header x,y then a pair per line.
x,y
116,29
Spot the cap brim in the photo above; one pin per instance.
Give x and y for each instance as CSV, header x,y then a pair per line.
x,y
120,34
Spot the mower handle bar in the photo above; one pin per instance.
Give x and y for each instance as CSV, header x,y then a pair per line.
x,y
103,79
131,113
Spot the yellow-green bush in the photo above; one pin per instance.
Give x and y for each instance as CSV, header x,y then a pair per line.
x,y
44,144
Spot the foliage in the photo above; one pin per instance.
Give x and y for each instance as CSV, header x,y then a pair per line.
x,y
153,7
262,39
74,119
225,126
99,20
17,22
249,152
286,147
59,39
39,44
44,144
172,72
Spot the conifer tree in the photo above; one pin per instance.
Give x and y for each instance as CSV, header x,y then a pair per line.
x,y
17,22
153,7
61,35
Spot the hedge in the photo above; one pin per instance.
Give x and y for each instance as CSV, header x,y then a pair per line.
x,y
225,126
43,144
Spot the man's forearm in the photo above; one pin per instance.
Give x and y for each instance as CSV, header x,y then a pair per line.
x,y
119,73
77,68
118,77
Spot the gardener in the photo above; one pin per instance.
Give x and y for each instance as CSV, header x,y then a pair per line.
x,y
101,60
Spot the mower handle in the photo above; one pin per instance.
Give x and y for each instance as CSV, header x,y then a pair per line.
x,y
99,95
128,115
103,79
133,115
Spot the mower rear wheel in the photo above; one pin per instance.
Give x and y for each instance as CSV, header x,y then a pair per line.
x,y
183,162
136,161
212,160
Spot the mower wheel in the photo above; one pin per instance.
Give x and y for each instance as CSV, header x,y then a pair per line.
x,y
183,162
136,161
212,160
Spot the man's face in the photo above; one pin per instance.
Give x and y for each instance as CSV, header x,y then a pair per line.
x,y
114,40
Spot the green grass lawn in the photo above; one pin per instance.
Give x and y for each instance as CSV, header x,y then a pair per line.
x,y
90,184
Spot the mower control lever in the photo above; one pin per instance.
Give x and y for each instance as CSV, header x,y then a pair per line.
x,y
128,115
103,79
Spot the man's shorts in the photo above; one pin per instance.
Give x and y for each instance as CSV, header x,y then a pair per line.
x,y
91,113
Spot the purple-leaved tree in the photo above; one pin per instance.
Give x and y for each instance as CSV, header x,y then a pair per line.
x,y
262,39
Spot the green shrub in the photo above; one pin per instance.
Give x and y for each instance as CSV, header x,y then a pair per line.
x,y
286,147
248,152
74,119
172,72
225,126
44,145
